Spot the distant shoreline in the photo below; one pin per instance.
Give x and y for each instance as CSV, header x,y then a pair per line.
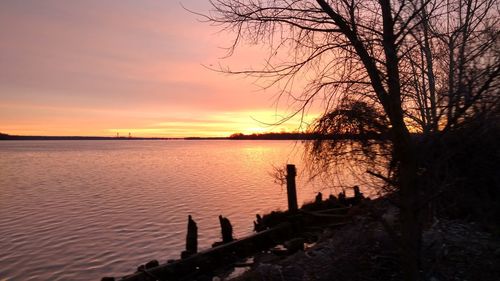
x,y
264,136
22,138
239,137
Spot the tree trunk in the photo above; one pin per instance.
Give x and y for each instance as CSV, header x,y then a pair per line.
x,y
410,225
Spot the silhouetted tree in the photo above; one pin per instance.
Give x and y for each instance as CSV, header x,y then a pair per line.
x,y
381,69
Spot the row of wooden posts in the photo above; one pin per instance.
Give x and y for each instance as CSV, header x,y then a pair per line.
x,y
221,253
225,224
191,259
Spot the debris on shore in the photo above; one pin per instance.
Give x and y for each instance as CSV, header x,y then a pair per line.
x,y
363,250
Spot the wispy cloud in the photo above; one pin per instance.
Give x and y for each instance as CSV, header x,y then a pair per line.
x,y
91,67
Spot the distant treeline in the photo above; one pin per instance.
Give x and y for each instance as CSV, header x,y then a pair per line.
x,y
299,136
273,136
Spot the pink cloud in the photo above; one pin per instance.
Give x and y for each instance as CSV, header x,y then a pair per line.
x,y
98,65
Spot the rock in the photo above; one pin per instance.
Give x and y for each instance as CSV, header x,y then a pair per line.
x,y
294,245
151,264
497,253
293,273
186,254
269,271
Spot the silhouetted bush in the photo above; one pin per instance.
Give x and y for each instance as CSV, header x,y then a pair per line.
x,y
460,174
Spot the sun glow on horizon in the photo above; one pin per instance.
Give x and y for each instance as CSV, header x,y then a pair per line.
x,y
219,125
90,76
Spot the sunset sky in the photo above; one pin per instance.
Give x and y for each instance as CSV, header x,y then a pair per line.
x,y
99,68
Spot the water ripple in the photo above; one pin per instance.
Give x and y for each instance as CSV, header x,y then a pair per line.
x,y
80,210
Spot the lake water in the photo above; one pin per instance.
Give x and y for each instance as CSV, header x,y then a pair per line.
x,y
81,210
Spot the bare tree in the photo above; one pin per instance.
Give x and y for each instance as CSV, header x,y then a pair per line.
x,y
381,69
454,61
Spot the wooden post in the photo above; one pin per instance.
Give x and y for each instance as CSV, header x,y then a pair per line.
x,y
192,236
291,189
357,193
226,229
191,239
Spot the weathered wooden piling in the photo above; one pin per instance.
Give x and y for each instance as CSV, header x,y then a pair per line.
x,y
191,239
319,198
357,193
342,197
258,224
226,229
291,188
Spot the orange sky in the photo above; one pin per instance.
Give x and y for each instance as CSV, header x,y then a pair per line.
x,y
102,67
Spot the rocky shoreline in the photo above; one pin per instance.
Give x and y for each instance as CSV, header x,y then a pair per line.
x,y
363,250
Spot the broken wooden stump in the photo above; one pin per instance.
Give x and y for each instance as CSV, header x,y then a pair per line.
x,y
358,197
191,239
319,198
357,193
291,188
258,224
226,231
342,197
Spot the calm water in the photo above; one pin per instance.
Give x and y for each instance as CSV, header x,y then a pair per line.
x,y
80,210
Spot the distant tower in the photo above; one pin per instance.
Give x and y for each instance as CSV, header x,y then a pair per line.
x,y
117,135
129,135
